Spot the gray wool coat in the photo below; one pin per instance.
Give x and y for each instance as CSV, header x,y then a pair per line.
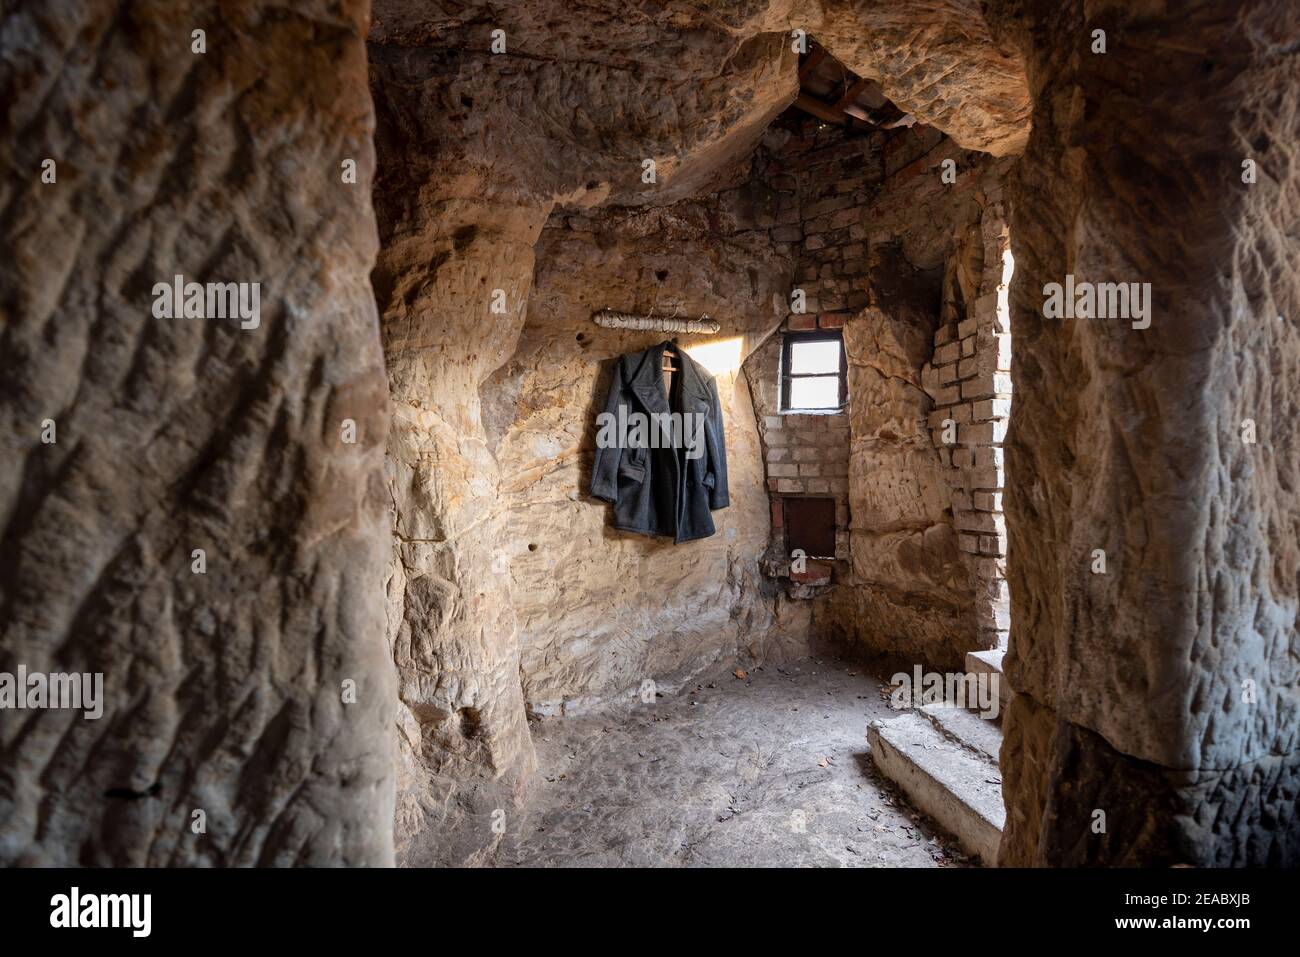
x,y
669,490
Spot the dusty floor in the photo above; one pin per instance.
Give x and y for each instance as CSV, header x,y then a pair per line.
x,y
769,770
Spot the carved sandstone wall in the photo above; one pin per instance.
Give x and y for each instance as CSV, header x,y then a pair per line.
x,y
600,611
223,690
1164,692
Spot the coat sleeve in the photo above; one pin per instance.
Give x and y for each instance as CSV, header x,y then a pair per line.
x,y
716,437
604,472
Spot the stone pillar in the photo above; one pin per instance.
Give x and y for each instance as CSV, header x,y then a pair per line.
x,y
1157,706
207,528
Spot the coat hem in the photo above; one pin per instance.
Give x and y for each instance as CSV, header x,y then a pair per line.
x,y
654,534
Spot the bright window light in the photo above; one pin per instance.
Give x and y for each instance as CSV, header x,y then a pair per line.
x,y
808,358
813,374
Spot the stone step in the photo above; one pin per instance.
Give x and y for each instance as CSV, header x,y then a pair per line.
x,y
959,788
967,728
990,662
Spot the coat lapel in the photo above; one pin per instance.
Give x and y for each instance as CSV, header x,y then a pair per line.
x,y
695,390
647,380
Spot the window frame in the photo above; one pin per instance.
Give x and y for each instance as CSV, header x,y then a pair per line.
x,y
788,341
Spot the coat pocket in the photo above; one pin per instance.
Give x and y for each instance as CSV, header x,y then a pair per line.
x,y
631,471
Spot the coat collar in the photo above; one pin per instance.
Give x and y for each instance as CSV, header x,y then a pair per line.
x,y
647,377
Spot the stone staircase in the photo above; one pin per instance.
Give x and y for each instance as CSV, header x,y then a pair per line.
x,y
945,758
990,662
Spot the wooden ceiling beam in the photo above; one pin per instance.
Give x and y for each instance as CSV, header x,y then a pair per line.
x,y
815,56
851,92
845,110
821,110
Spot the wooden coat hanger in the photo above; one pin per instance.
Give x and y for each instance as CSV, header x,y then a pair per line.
x,y
669,355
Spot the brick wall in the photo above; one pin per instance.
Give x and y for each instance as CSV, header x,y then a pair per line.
x,y
861,218
823,183
969,379
804,454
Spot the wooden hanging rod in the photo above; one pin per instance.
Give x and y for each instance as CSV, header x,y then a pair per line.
x,y
625,320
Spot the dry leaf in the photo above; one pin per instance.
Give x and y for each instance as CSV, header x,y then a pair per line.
x,y
740,673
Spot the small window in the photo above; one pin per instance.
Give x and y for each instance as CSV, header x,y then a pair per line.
x,y
813,372
810,525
